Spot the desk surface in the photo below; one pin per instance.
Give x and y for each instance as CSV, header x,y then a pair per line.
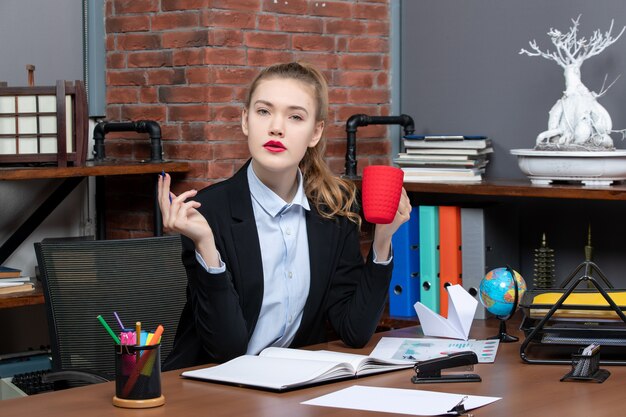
x,y
526,390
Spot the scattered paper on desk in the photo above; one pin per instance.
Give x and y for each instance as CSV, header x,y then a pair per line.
x,y
422,349
402,401
461,309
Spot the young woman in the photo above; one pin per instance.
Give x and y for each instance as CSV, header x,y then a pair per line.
x,y
272,254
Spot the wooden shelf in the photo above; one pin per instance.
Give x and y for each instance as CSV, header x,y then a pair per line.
x,y
91,169
22,299
521,188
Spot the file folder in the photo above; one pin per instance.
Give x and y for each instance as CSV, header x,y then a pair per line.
x,y
404,289
429,256
450,262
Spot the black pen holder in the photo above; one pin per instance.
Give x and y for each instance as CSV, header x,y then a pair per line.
x,y
138,376
586,368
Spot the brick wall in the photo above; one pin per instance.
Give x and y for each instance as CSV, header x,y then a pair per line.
x,y
187,64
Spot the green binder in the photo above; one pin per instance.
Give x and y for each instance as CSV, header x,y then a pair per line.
x,y
429,256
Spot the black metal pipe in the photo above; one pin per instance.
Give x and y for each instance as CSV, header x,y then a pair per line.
x,y
357,120
150,127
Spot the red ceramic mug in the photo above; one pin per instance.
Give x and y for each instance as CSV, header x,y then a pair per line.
x,y
380,193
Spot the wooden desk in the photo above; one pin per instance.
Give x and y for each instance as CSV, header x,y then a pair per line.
x,y
71,176
526,390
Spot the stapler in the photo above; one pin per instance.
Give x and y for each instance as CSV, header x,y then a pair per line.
x,y
427,372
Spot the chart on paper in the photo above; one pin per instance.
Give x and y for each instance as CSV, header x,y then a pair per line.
x,y
421,349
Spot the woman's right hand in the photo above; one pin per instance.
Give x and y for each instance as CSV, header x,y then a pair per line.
x,y
181,216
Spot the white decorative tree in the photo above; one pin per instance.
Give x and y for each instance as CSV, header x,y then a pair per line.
x,y
577,121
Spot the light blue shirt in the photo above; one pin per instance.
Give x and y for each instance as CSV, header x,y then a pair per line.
x,y
284,247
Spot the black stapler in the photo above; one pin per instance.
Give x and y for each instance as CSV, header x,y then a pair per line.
x,y
428,372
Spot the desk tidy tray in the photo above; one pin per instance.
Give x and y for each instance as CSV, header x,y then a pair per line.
x,y
583,317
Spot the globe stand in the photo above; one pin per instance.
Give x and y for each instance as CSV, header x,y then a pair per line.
x,y
502,335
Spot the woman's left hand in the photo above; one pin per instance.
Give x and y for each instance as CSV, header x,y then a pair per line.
x,y
384,232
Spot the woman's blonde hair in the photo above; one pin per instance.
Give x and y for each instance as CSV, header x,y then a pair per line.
x,y
331,195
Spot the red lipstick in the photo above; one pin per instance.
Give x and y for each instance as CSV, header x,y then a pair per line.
x,y
274,146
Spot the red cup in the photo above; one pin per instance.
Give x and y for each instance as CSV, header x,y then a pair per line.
x,y
381,191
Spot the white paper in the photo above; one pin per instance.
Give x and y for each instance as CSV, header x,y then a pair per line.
x,y
461,309
401,401
422,349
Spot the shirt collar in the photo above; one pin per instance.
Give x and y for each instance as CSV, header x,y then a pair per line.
x,y
269,200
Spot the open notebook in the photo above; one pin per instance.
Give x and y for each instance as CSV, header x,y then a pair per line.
x,y
283,368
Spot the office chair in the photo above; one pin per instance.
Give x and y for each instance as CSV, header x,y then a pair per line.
x,y
140,279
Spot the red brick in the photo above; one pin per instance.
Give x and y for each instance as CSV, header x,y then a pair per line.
x,y
368,96
190,113
331,9
226,132
116,60
345,27
371,11
266,57
266,22
150,59
301,24
234,75
199,75
248,5
227,113
117,24
166,21
234,150
138,41
126,77
321,60
377,29
197,169
149,95
184,57
224,56
135,6
122,95
361,62
266,40
143,113
186,39
165,76
194,131
169,5
184,94
228,19
373,44
313,43
225,37
221,169
286,7
191,151
113,112
355,79
170,132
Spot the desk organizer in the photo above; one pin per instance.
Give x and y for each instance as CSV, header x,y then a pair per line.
x,y
41,125
586,368
570,318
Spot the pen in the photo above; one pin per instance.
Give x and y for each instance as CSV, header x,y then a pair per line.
x,y
163,175
108,329
142,365
118,320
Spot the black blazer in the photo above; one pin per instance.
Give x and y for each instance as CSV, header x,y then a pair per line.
x,y
222,310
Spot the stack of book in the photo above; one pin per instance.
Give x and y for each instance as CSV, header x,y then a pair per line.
x,y
12,281
444,158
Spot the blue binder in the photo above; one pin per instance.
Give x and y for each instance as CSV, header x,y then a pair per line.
x,y
404,289
429,256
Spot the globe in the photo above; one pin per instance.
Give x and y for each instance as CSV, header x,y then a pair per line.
x,y
497,291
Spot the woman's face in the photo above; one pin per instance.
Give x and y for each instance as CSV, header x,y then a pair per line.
x,y
280,124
